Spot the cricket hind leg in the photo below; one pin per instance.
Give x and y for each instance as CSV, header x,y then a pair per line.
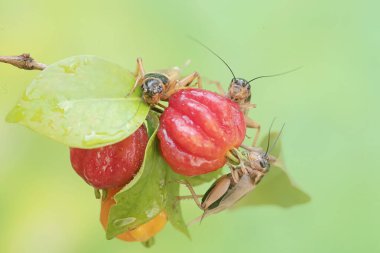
x,y
187,80
182,84
193,195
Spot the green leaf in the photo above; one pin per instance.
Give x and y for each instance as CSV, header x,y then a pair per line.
x,y
152,190
145,198
173,208
152,123
81,101
276,188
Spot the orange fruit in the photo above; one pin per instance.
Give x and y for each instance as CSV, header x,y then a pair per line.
x,y
139,234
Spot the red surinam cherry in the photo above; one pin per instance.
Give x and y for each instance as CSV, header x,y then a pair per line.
x,y
111,166
198,129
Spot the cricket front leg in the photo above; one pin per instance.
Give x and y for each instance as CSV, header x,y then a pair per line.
x,y
234,174
253,124
258,176
139,74
246,107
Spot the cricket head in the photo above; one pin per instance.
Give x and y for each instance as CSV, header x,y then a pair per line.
x,y
239,91
153,86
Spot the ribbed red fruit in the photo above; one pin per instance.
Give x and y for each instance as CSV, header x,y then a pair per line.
x,y
197,130
113,165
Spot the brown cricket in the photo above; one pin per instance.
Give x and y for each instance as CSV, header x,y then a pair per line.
x,y
159,86
239,91
230,188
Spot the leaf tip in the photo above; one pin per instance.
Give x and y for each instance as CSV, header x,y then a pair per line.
x,y
109,235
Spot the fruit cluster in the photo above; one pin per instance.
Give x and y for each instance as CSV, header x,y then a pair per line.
x,y
138,137
199,132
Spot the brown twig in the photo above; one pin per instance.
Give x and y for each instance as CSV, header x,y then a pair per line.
x,y
23,61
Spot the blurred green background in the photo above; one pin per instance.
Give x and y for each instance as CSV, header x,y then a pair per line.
x,y
330,108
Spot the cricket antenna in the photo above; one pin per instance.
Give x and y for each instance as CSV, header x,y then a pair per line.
x,y
270,128
278,136
279,74
209,49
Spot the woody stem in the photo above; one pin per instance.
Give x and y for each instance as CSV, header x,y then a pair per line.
x,y
23,61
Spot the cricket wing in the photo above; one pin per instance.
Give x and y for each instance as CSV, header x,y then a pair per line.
x,y
242,188
172,73
217,190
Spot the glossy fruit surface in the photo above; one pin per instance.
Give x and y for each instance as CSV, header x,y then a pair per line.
x,y
197,130
113,165
141,233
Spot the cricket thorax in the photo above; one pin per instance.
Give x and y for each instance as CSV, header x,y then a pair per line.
x,y
163,78
239,91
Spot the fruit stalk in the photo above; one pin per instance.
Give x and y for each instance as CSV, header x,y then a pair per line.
x,y
232,159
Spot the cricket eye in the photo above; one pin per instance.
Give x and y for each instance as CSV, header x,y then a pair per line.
x,y
264,164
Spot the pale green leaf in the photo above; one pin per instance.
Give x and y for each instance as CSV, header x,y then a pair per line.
x,y
276,188
81,101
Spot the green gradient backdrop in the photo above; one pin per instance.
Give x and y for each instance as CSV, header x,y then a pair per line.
x,y
330,108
